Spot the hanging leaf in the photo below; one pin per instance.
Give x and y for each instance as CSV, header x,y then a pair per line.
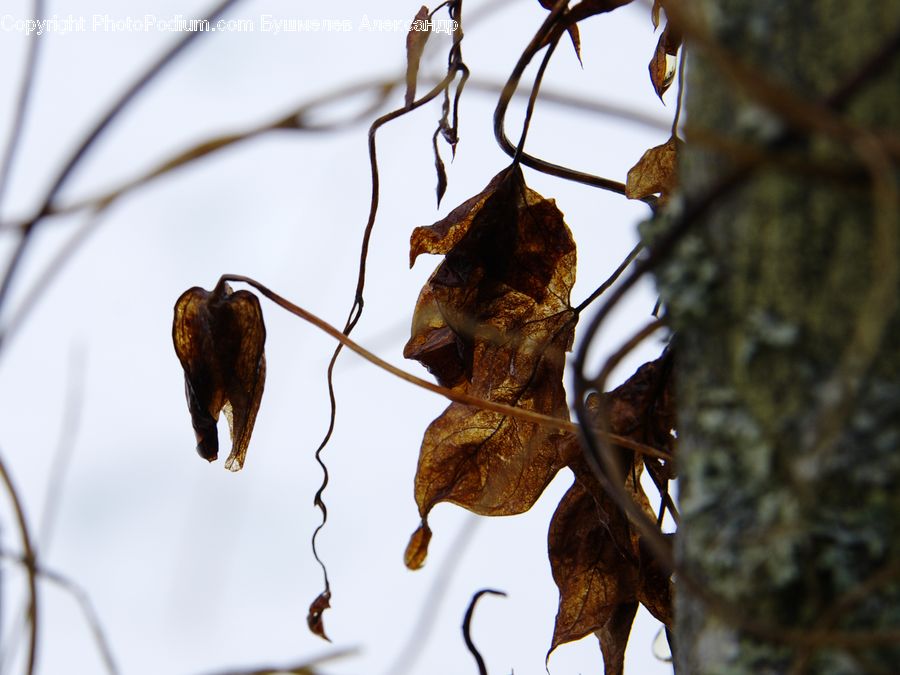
x,y
494,320
572,29
594,566
665,59
219,338
439,166
599,562
656,171
314,616
415,45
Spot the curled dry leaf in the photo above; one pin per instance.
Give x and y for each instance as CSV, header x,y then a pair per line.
x,y
220,338
598,561
494,320
593,558
415,45
314,617
655,172
662,65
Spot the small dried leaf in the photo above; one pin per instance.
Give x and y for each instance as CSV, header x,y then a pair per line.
x,y
314,617
576,40
494,320
662,65
417,549
654,13
439,169
613,637
415,45
572,29
599,562
219,338
593,563
655,172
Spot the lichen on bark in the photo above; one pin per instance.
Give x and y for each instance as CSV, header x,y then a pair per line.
x,y
784,515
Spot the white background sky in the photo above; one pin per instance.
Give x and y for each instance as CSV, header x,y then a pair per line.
x,y
193,569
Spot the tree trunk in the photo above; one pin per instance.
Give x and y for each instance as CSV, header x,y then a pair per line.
x,y
783,296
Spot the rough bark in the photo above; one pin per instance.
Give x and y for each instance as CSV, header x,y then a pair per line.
x,y
784,302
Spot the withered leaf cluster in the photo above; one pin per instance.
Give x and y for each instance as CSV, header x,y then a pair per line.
x,y
494,321
220,338
599,564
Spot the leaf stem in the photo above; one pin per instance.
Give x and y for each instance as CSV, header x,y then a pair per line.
x,y
450,394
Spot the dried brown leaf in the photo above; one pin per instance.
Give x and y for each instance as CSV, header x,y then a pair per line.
x,y
415,45
572,29
219,338
654,13
655,172
662,65
417,549
494,320
599,563
576,40
316,610
593,563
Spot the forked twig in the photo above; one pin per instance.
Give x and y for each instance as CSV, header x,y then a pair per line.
x,y
29,561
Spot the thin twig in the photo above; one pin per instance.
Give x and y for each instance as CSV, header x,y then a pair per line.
x,y
294,121
450,394
549,33
22,100
29,561
356,308
467,625
91,137
532,98
84,603
50,272
602,288
68,432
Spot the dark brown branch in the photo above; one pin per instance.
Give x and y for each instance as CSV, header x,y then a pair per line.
x,y
467,625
